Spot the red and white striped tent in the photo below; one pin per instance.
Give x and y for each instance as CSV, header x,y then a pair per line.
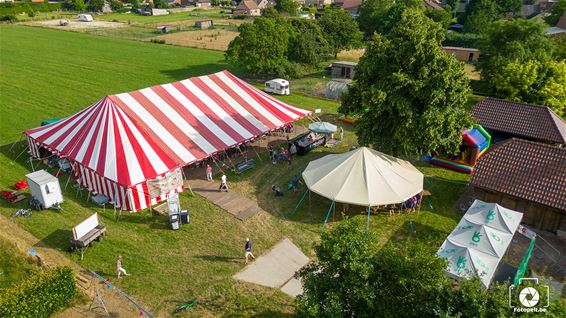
x,y
121,142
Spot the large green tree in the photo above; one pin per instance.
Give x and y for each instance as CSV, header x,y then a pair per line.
x,y
414,93
340,29
261,47
534,82
308,45
479,15
371,14
289,7
518,62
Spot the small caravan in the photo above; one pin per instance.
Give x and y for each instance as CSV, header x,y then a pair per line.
x,y
83,17
277,86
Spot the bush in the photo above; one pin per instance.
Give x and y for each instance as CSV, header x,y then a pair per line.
x,y
40,295
7,8
8,17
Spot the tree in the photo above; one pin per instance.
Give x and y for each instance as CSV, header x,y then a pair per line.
x,y
336,285
509,6
534,82
160,4
557,11
261,47
442,16
414,93
479,15
270,12
289,7
308,44
95,5
512,41
371,13
74,5
340,29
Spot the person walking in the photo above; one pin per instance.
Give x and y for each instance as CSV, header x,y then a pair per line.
x,y
248,250
270,148
119,267
223,183
208,173
341,133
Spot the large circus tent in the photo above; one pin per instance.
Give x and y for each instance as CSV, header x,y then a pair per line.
x,y
130,146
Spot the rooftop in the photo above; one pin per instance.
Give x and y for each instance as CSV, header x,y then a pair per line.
x,y
521,120
524,169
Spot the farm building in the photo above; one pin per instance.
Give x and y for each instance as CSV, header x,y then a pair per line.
x,y
163,29
528,177
335,88
203,4
504,119
130,147
343,69
204,24
463,54
247,8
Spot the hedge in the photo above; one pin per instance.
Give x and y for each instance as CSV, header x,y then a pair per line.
x,y
7,8
40,295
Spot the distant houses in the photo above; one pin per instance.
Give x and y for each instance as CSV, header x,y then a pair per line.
x,y
559,29
247,8
351,6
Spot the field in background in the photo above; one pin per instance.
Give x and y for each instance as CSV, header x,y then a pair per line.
x,y
212,39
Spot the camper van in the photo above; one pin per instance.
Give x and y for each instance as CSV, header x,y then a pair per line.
x,y
85,18
277,86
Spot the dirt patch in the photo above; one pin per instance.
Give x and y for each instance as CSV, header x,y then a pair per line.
x,y
76,25
215,39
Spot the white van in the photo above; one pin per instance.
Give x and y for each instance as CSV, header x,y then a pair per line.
x,y
277,86
85,17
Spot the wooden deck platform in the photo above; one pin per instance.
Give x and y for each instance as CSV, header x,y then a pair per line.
x,y
234,203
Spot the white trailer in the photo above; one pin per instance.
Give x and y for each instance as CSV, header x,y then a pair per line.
x,y
83,17
45,188
277,86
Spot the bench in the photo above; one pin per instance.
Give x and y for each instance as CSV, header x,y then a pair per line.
x,y
243,166
86,232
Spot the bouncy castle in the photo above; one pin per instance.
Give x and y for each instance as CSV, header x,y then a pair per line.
x,y
475,142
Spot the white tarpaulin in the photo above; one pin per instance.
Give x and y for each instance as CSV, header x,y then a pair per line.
x,y
479,241
363,177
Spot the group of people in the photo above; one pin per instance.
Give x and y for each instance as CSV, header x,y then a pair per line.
x,y
293,185
283,154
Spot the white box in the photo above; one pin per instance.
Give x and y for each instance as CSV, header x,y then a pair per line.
x,y
45,188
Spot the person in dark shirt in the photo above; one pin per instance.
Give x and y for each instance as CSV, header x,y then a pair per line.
x,y
248,250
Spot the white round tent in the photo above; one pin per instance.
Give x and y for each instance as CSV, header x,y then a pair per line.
x,y
364,177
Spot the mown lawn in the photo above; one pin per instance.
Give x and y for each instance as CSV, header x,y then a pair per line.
x,y
47,73
172,17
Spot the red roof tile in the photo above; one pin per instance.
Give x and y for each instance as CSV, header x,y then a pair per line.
x,y
529,170
522,120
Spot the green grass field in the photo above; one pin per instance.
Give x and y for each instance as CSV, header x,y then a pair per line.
x,y
47,73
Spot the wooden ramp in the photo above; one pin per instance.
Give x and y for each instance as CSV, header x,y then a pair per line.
x,y
233,202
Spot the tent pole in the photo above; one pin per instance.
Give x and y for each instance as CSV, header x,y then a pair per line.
x,y
31,163
367,225
68,179
15,142
300,201
21,153
328,215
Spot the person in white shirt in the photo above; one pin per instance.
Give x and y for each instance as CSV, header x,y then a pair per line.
x,y
223,183
119,267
